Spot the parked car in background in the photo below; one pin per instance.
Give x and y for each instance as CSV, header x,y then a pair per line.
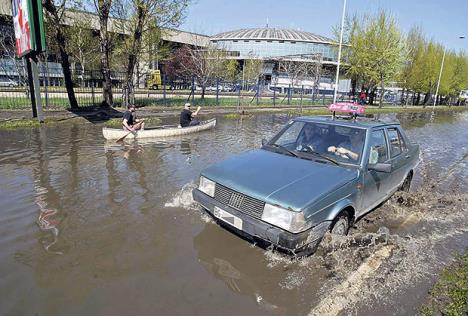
x,y
464,94
6,82
316,175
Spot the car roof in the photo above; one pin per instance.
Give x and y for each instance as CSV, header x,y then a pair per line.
x,y
360,122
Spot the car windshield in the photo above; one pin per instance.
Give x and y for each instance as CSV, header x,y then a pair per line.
x,y
327,141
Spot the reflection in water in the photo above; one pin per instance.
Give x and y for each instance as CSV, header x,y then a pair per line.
x,y
45,220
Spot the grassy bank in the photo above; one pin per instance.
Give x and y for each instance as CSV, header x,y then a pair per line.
x,y
151,114
449,296
117,122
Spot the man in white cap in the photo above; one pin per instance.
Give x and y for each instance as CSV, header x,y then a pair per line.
x,y
186,116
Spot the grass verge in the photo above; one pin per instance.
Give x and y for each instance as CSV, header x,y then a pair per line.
x,y
449,296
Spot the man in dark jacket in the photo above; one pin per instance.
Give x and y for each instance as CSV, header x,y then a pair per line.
x,y
186,116
130,122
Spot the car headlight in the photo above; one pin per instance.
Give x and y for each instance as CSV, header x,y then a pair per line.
x,y
291,221
207,186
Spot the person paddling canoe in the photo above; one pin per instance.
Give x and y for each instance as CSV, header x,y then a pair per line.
x,y
130,122
186,116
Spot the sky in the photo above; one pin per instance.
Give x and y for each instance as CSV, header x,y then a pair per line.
x,y
441,20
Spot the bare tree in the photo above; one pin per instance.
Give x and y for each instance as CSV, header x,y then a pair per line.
x,y
55,15
202,64
253,68
82,44
103,8
142,17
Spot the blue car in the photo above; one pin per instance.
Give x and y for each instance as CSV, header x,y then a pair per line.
x,y
317,174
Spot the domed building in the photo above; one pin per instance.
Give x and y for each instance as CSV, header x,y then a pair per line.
x,y
272,43
276,45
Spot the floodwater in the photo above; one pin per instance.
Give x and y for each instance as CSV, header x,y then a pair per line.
x,y
89,227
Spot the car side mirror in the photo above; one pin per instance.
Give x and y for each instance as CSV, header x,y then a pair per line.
x,y
264,141
380,167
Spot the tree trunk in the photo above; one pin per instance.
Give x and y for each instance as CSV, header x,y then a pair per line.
x,y
353,89
133,54
427,97
402,99
371,96
103,12
64,61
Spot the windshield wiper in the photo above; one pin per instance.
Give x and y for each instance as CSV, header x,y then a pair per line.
x,y
324,157
284,149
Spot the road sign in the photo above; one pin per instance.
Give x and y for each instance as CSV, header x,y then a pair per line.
x,y
29,26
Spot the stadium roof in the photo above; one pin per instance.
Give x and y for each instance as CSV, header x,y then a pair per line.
x,y
271,34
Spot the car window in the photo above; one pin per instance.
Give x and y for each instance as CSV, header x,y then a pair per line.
x,y
341,143
402,141
291,134
378,147
395,142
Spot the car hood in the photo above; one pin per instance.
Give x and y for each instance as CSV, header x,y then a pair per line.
x,y
279,179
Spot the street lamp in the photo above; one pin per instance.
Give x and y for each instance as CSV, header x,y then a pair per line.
x,y
339,52
440,74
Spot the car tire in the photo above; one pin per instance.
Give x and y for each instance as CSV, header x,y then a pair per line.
x,y
405,187
340,225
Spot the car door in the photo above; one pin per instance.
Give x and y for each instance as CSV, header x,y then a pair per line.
x,y
398,156
376,185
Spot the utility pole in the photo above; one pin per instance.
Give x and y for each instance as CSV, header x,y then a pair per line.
x,y
339,52
440,75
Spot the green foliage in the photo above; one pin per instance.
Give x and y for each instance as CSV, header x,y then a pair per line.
x,y
231,70
82,43
377,54
253,68
375,51
450,294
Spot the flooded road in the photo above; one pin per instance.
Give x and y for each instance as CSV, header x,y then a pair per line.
x,y
89,227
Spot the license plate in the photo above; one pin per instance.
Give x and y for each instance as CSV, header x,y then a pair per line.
x,y
228,218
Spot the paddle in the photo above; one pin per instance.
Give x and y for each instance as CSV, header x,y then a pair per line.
x,y
122,138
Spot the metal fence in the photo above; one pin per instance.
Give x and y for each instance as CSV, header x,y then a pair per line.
x,y
14,91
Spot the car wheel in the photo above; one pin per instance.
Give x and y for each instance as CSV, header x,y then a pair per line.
x,y
405,187
340,225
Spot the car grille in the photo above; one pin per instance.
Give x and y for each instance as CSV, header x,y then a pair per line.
x,y
239,201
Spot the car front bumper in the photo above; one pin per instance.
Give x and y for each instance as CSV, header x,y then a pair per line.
x,y
302,243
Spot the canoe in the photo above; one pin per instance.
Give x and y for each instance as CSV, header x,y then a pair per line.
x,y
159,131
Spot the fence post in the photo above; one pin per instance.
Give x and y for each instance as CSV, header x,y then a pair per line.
x,y
217,91
238,97
302,94
193,89
164,89
258,92
92,90
46,82
274,95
